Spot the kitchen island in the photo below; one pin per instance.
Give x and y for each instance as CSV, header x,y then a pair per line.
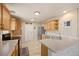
x,y
61,47
9,48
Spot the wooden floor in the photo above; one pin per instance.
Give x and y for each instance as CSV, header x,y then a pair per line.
x,y
34,47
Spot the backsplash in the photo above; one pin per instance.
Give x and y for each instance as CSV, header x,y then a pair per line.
x,y
5,32
53,35
58,36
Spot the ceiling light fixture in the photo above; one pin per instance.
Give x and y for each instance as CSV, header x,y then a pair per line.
x,y
64,11
37,13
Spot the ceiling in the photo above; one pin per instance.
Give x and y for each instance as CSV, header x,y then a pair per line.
x,y
47,10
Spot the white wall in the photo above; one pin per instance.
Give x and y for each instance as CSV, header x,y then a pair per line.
x,y
70,32
67,32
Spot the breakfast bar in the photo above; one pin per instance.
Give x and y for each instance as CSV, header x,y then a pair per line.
x,y
58,47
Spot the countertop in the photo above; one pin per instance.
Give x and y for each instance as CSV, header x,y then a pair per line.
x,y
7,47
58,45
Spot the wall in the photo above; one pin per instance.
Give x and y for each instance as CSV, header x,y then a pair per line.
x,y
67,32
70,32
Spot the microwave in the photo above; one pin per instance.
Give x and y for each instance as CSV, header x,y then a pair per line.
x,y
6,37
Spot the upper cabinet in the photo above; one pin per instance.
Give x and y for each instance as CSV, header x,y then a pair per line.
x,y
0,16
51,25
13,23
54,25
16,26
4,18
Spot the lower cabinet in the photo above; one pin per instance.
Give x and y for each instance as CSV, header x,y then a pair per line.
x,y
44,50
15,51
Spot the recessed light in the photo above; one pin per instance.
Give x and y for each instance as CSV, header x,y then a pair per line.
x,y
37,13
64,11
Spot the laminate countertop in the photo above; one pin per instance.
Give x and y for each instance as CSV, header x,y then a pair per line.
x,y
58,45
7,47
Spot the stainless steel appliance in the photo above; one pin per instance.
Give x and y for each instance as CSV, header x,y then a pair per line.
x,y
41,31
6,36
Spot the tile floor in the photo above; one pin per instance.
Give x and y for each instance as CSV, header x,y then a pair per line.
x,y
34,47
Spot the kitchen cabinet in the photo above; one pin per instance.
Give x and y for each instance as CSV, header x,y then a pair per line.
x,y
16,27
4,18
43,37
51,25
13,23
54,25
0,17
44,50
48,26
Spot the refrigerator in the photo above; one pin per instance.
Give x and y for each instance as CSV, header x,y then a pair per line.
x,y
41,31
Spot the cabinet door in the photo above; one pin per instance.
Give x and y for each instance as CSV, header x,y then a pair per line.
x,y
0,16
6,19
52,25
13,23
44,50
49,26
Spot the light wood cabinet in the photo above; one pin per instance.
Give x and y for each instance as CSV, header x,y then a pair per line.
x,y
6,18
17,26
43,37
44,50
54,25
0,16
51,25
13,23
